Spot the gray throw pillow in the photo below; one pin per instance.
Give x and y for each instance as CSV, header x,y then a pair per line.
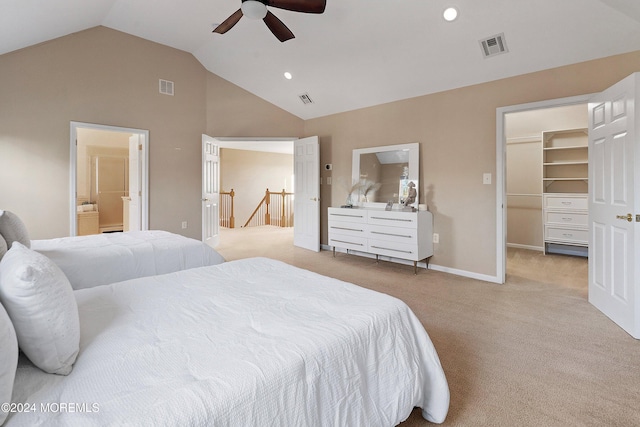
x,y
13,229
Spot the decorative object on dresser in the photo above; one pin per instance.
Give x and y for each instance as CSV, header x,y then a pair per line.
x,y
392,233
565,191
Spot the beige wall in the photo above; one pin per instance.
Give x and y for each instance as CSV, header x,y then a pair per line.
x,y
107,77
457,134
234,112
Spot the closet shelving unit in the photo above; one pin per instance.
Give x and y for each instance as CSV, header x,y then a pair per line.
x,y
565,160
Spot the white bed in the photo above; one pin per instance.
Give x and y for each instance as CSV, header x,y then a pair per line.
x,y
101,259
244,343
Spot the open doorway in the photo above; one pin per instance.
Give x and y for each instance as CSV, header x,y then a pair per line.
x,y
519,131
109,179
301,157
250,166
544,162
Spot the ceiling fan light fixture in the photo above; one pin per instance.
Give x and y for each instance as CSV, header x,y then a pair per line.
x,y
254,9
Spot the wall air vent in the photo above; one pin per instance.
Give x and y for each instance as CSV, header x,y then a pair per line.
x,y
305,98
166,87
494,45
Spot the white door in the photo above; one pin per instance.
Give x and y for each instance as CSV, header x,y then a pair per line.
x,y
210,191
306,204
614,149
135,193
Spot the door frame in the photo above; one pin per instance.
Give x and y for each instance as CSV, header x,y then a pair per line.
x,y
501,171
73,173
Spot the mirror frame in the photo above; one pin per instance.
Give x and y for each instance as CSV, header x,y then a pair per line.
x,y
414,166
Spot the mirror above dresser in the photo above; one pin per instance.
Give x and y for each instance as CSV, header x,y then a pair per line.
x,y
385,174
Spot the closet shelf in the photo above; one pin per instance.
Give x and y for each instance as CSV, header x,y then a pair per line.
x,y
571,147
576,162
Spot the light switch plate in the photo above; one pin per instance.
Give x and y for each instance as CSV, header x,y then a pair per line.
x,y
486,178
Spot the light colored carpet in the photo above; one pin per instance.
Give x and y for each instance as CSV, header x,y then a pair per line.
x,y
532,352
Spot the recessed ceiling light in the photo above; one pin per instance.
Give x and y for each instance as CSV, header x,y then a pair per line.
x,y
288,76
450,14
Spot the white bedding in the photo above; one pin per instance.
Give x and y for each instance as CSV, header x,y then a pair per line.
x,y
251,342
101,259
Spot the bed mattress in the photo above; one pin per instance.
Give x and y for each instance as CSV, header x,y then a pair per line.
x,y
251,342
101,259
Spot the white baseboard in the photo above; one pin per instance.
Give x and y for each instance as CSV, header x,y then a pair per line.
x,y
464,273
531,248
421,264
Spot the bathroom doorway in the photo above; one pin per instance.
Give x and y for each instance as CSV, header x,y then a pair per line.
x,y
109,179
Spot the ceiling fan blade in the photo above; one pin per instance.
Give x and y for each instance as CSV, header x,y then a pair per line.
x,y
306,6
277,27
229,22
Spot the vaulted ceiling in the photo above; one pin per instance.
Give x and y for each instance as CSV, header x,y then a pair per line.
x,y
358,53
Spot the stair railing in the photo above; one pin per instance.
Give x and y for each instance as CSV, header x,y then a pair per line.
x,y
274,209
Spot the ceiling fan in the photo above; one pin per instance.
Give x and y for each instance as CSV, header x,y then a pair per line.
x,y
257,9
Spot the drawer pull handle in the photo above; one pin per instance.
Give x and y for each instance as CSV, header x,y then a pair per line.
x,y
390,249
345,228
391,234
567,234
567,203
350,243
349,216
567,219
392,219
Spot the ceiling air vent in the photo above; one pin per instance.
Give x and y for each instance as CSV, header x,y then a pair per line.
x,y
166,87
305,98
494,45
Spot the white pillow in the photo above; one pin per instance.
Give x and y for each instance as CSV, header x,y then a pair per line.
x,y
3,246
42,307
13,229
8,360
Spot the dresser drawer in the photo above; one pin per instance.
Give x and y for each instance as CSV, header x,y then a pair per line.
x,y
394,219
357,243
347,228
577,202
347,215
567,218
574,236
393,234
393,249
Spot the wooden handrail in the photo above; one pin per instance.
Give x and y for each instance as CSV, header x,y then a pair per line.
x,y
255,211
284,218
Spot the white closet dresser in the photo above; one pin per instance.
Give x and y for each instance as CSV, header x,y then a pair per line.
x,y
565,175
566,219
395,234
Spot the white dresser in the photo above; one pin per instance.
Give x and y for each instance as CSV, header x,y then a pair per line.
x,y
395,234
566,220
